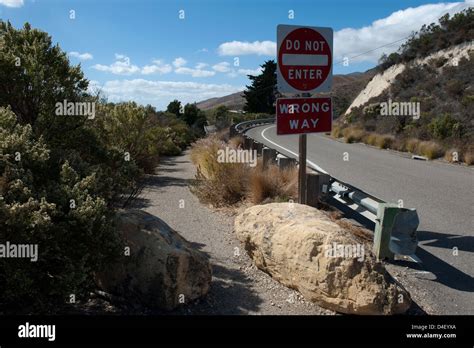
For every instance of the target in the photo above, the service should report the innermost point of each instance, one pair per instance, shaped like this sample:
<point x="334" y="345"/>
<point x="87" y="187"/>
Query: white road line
<point x="312" y="164"/>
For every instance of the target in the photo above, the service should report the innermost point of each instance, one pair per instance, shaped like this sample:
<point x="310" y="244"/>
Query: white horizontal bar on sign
<point x="305" y="59"/>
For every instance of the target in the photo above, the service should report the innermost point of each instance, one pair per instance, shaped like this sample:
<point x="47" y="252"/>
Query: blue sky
<point x="142" y="50"/>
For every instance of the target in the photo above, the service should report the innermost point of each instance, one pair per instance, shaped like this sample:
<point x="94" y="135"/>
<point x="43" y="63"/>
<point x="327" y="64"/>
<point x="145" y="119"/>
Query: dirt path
<point x="238" y="287"/>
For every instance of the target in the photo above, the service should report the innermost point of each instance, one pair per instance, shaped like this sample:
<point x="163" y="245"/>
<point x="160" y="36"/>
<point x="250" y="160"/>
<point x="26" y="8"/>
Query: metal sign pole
<point x="302" y="169"/>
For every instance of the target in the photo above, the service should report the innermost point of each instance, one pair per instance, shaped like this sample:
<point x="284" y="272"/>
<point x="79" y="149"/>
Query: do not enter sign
<point x="304" y="59"/>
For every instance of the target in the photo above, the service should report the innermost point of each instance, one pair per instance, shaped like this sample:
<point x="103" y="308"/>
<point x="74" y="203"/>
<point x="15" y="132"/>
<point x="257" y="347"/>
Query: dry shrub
<point x="204" y="153"/>
<point x="430" y="149"/>
<point x="411" y="145"/>
<point x="450" y="157"/>
<point x="399" y="144"/>
<point x="352" y="135"/>
<point x="226" y="188"/>
<point x="217" y="183"/>
<point x="384" y="141"/>
<point x="237" y="141"/>
<point x="272" y="183"/>
<point x="336" y="132"/>
<point x="224" y="184"/>
<point x="468" y="156"/>
<point x="370" y="139"/>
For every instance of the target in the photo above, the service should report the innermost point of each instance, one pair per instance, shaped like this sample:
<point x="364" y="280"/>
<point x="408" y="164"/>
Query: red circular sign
<point x="292" y="64"/>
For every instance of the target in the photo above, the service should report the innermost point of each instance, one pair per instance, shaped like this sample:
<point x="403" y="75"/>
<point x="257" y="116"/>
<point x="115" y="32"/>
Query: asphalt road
<point x="442" y="193"/>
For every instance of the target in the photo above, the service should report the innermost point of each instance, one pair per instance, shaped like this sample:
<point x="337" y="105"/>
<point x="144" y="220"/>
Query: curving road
<point x="443" y="195"/>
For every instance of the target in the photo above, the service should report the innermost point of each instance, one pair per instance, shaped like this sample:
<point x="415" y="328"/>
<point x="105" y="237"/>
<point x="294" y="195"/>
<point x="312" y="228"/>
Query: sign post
<point x="302" y="169"/>
<point x="304" y="67"/>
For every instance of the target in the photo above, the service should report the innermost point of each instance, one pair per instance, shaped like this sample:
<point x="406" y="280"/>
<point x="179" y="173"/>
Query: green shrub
<point x="64" y="214"/>
<point x="442" y="127"/>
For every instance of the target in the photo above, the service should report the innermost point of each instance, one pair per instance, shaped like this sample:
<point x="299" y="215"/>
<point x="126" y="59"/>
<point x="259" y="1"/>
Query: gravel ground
<point x="238" y="287"/>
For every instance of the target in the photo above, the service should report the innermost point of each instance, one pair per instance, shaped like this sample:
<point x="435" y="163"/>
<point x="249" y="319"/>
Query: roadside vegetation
<point x="226" y="184"/>
<point x="444" y="126"/>
<point x="63" y="176"/>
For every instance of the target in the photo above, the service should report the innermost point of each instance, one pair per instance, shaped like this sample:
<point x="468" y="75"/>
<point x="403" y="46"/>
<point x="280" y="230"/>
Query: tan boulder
<point x="162" y="271"/>
<point x="303" y="249"/>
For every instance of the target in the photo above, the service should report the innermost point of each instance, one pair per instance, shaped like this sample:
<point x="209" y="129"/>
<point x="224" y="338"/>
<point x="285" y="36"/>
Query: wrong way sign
<point x="304" y="59"/>
<point x="303" y="115"/>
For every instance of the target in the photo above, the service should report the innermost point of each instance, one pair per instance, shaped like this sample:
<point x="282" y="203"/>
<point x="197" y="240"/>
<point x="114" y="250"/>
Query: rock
<point x="162" y="271"/>
<point x="291" y="242"/>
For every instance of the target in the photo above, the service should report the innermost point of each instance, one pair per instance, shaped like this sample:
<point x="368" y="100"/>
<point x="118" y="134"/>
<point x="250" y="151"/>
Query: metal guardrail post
<point x="395" y="231"/>
<point x="285" y="162"/>
<point x="268" y="156"/>
<point x="317" y="188"/>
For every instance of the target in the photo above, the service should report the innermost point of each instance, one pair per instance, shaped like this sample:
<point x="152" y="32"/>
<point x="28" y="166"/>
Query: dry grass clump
<point x="370" y="139"/>
<point x="353" y="135"/>
<point x="384" y="141"/>
<point x="411" y="145"/>
<point x="272" y="183"/>
<point x="223" y="184"/>
<point x="468" y="156"/>
<point x="430" y="149"/>
<point x="336" y="132"/>
<point x="452" y="155"/>
<point x="237" y="141"/>
<point x="217" y="183"/>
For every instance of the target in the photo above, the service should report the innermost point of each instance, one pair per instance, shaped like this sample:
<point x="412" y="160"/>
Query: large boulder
<point x="162" y="269"/>
<point x="305" y="250"/>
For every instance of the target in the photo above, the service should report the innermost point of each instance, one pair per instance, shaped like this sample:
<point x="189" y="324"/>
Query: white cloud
<point x="81" y="56"/>
<point x="240" y="48"/>
<point x="12" y="3"/>
<point x="160" y="93"/>
<point x="253" y="72"/>
<point x="201" y="65"/>
<point x="179" y="62"/>
<point x="351" y="42"/>
<point x="202" y="50"/>
<point x="158" y="66"/>
<point x="222" y="67"/>
<point x="121" y="66"/>
<point x="194" y="72"/>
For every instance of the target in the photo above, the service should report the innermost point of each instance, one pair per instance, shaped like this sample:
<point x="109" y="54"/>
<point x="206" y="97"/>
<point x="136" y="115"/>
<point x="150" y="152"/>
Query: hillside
<point x="345" y="89"/>
<point x="422" y="98"/>
<point x="234" y="101"/>
<point x="383" y="80"/>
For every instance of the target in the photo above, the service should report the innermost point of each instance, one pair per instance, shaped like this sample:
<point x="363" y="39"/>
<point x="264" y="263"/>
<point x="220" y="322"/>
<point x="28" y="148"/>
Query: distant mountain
<point x="234" y="101"/>
<point x="345" y="89"/>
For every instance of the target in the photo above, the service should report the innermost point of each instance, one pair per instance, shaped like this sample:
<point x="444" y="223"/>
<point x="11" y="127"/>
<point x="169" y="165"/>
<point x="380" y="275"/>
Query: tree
<point x="174" y="107"/>
<point x="221" y="116"/>
<point x="35" y="74"/>
<point x="260" y="95"/>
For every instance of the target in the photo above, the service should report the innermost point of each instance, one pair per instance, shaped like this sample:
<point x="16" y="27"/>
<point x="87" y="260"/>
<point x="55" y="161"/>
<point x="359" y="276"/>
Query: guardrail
<point x="394" y="226"/>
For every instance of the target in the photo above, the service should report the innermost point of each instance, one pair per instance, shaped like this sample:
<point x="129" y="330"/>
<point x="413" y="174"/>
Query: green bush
<point x="443" y="127"/>
<point x="63" y="214"/>
<point x="62" y="177"/>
